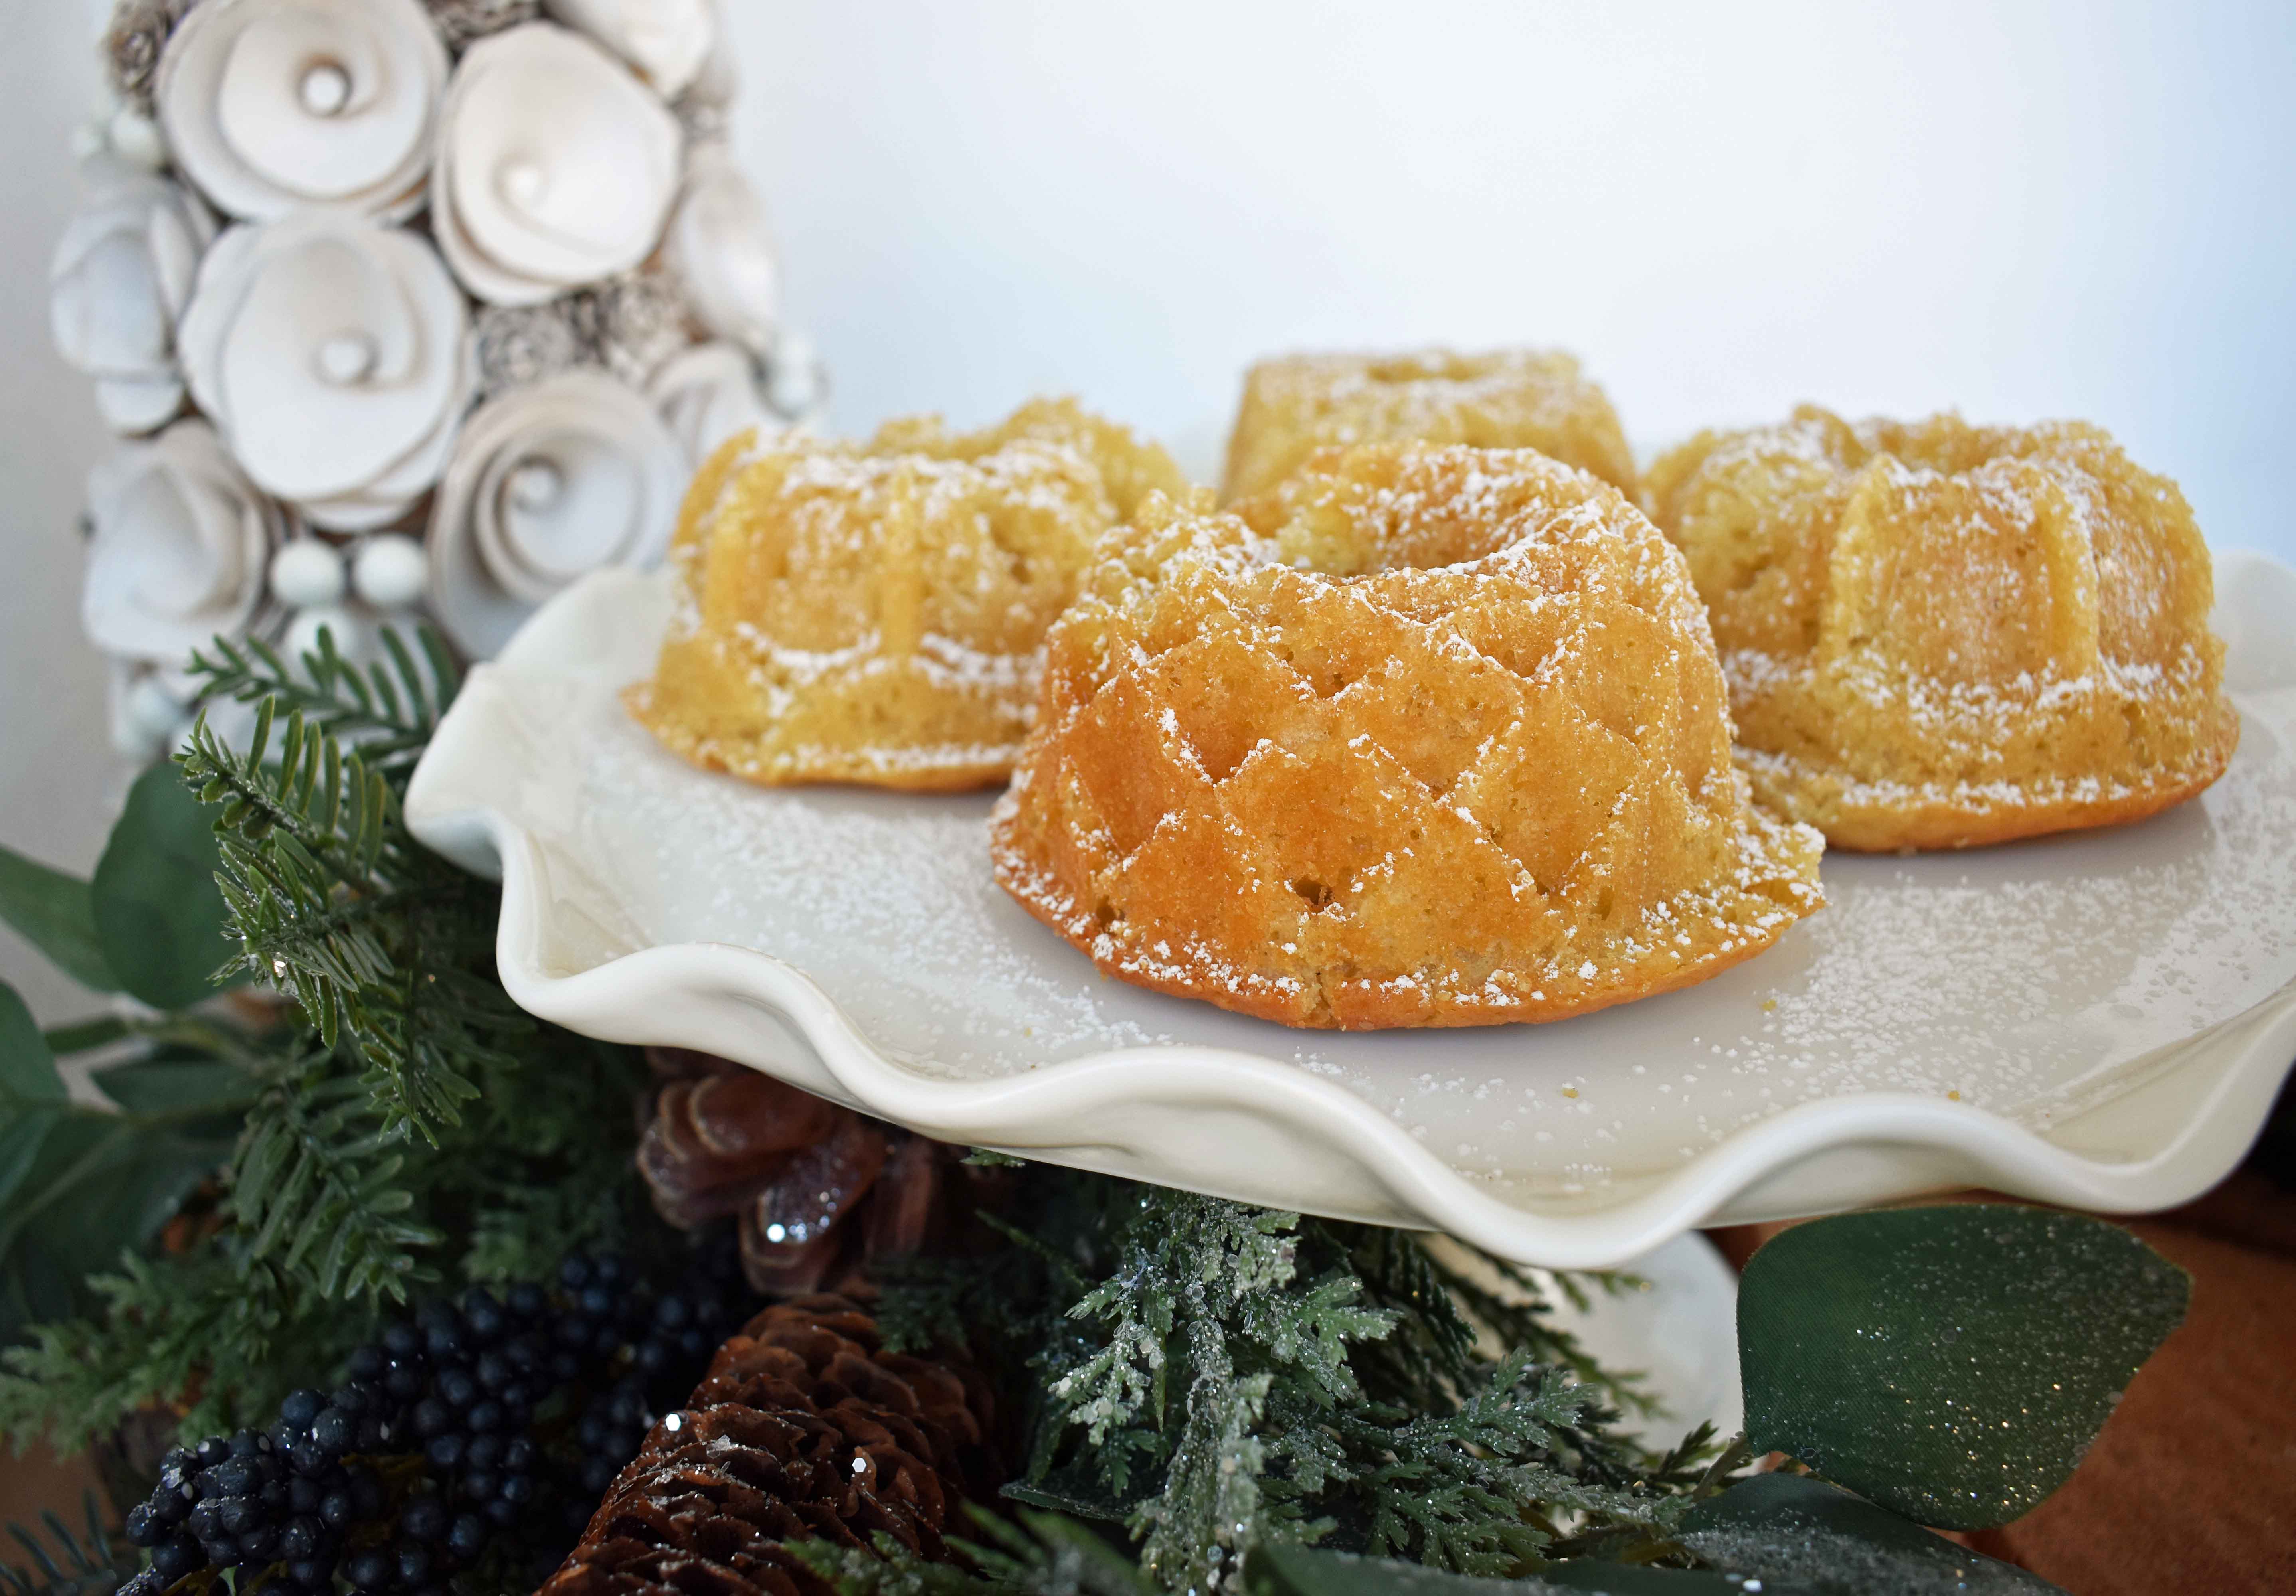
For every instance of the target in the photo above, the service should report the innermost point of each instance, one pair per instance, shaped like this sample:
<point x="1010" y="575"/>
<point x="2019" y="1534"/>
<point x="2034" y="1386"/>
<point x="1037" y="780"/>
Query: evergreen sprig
<point x="64" y="1563"/>
<point x="405" y="1126"/>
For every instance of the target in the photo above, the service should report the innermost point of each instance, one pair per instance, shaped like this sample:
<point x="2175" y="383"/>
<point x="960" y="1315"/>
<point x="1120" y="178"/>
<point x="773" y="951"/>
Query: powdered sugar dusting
<point x="2031" y="980"/>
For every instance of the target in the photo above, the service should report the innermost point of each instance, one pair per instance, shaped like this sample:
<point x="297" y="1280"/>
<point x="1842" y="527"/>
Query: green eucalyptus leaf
<point x="28" y="1066"/>
<point x="1780" y="1527"/>
<point x="83" y="1036"/>
<point x="1951" y="1364"/>
<point x="156" y="1086"/>
<point x="157" y="910"/>
<point x="55" y="913"/>
<point x="1311" y="1571"/>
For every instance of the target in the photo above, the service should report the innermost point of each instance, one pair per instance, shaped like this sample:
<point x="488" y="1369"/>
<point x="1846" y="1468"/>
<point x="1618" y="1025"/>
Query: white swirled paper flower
<point x="556" y="168"/>
<point x="721" y="249"/>
<point x="120" y="278"/>
<point x="180" y="544"/>
<point x="547" y="484"/>
<point x="706" y="393"/>
<point x="331" y="353"/>
<point x="668" y="41"/>
<point x="269" y="105"/>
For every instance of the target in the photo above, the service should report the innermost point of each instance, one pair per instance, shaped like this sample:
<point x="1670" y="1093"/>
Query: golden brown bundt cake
<point x="1938" y="635"/>
<point x="1514" y="399"/>
<point x="878" y="614"/>
<point x="1424" y="737"/>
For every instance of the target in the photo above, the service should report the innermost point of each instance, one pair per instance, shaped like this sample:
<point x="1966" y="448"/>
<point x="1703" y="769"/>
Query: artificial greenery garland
<point x="1199" y="1384"/>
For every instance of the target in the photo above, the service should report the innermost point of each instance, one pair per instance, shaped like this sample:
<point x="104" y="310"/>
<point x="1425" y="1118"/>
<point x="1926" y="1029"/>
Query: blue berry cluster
<point x="490" y="1425"/>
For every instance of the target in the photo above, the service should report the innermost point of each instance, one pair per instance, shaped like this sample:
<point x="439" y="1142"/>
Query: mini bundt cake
<point x="878" y="614"/>
<point x="1514" y="399"/>
<point x="1426" y="737"/>
<point x="1938" y="635"/>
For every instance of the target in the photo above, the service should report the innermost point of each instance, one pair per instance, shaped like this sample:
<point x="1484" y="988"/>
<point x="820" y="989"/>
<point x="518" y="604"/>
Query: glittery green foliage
<point x="1952" y="1363"/>
<point x="1208" y="1376"/>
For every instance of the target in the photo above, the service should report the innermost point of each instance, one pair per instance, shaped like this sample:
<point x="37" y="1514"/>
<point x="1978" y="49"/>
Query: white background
<point x="2021" y="210"/>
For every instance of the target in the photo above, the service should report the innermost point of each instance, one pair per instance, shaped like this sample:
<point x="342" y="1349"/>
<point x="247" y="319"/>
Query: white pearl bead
<point x="136" y="138"/>
<point x="306" y="572"/>
<point x="152" y="711"/>
<point x="390" y="570"/>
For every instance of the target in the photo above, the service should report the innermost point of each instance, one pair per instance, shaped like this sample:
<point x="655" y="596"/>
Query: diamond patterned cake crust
<point x="877" y="614"/>
<point x="1940" y="635"/>
<point x="1426" y="737"/>
<point x="1513" y="399"/>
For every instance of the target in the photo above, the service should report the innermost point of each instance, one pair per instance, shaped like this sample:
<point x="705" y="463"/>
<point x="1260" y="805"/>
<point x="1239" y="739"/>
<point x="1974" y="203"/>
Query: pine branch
<point x="390" y="713"/>
<point x="66" y="1564"/>
<point x="318" y="1192"/>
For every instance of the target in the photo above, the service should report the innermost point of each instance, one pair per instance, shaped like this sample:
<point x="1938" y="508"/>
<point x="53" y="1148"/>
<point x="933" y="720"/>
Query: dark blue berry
<point x="235" y="1477"/>
<point x="457" y="1388"/>
<point x="479" y="1484"/>
<point x="466" y="1537"/>
<point x="259" y="1543"/>
<point x="313" y="1573"/>
<point x="519" y="1455"/>
<point x="495" y="1371"/>
<point x="527" y="1301"/>
<point x="671" y="1313"/>
<point x="373" y="1430"/>
<point x="444" y="1453"/>
<point x="143" y="1527"/>
<point x="565" y="1366"/>
<point x="517" y="1489"/>
<point x="484" y="1452"/>
<point x="424" y="1518"/>
<point x="596" y="1301"/>
<point x="401" y="1339"/>
<point x="309" y="1459"/>
<point x="336" y="1511"/>
<point x="334" y="1430"/>
<point x="413" y="1560"/>
<point x="598" y="1473"/>
<point x="367" y="1364"/>
<point x="219" y="1548"/>
<point x="608" y="1269"/>
<point x="300" y="1540"/>
<point x="212" y="1451"/>
<point x="368" y="1570"/>
<point x="351" y="1397"/>
<point x="501" y="1513"/>
<point x="403" y="1380"/>
<point x="366" y="1493"/>
<point x="484" y="1315"/>
<point x="175" y="1556"/>
<point x="302" y="1406"/>
<point x="574" y="1273"/>
<point x="431" y="1416"/>
<point x="486" y="1416"/>
<point x="246" y="1444"/>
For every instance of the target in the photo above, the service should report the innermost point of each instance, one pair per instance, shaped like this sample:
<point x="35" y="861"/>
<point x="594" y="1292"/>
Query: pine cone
<point x="819" y="1189"/>
<point x="803" y="1428"/>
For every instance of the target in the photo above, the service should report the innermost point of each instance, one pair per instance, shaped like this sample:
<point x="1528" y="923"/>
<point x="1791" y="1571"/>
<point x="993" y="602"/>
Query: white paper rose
<point x="181" y="541"/>
<point x="556" y="168"/>
<point x="707" y="395"/>
<point x="721" y="249"/>
<point x="121" y="276"/>
<point x="331" y="353"/>
<point x="547" y="483"/>
<point x="668" y="41"/>
<point x="269" y="105"/>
